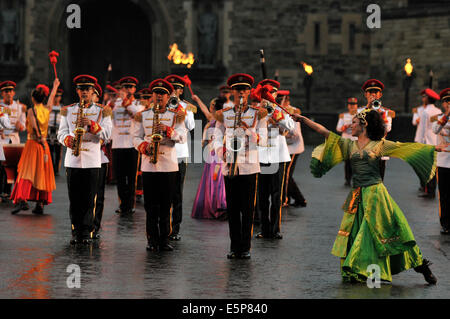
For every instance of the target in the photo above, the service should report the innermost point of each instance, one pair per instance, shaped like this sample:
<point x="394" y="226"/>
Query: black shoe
<point x="75" y="240"/>
<point x="261" y="235"/>
<point x="118" y="211"/>
<point x="151" y="247"/>
<point x="25" y="206"/>
<point x="427" y="196"/>
<point x="175" y="237"/>
<point x="298" y="203"/>
<point x="245" y="255"/>
<point x="232" y="255"/>
<point x="38" y="209"/>
<point x="425" y="270"/>
<point x="96" y="235"/>
<point x="17" y="208"/>
<point x="278" y="236"/>
<point x="445" y="231"/>
<point x="166" y="247"/>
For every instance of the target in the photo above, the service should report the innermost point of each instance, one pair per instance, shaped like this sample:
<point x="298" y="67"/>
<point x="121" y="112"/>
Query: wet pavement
<point x="35" y="251"/>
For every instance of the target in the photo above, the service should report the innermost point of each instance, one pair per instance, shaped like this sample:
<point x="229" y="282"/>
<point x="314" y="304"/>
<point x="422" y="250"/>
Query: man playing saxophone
<point x="83" y="169"/>
<point x="155" y="131"/>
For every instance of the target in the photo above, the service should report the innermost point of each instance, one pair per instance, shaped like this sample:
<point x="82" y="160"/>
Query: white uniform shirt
<point x="247" y="155"/>
<point x="426" y="134"/>
<point x="416" y="115"/>
<point x="16" y="114"/>
<point x="295" y="140"/>
<point x="346" y="119"/>
<point x="4" y="124"/>
<point x="443" y="137"/>
<point x="90" y="155"/>
<point x="167" y="156"/>
<point x="122" y="121"/>
<point x="189" y="124"/>
<point x="276" y="149"/>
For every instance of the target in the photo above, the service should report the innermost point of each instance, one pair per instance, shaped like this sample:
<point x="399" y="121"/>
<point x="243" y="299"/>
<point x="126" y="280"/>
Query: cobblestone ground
<point x="35" y="250"/>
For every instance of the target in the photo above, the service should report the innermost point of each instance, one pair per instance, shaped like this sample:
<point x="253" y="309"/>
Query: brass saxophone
<point x="232" y="171"/>
<point x="156" y="136"/>
<point x="79" y="130"/>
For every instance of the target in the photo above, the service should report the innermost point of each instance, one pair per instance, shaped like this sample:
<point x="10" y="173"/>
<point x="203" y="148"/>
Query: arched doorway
<point x="116" y="32"/>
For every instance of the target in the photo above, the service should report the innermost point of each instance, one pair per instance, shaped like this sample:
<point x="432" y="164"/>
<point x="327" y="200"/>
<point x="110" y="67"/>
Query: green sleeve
<point x="325" y="156"/>
<point x="421" y="157"/>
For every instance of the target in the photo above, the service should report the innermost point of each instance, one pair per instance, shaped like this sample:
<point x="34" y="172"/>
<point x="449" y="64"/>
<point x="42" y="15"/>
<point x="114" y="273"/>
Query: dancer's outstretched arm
<point x="315" y="126"/>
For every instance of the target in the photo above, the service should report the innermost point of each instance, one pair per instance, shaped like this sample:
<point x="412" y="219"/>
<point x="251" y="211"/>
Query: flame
<point x="308" y="68"/>
<point x="179" y="57"/>
<point x="408" y="67"/>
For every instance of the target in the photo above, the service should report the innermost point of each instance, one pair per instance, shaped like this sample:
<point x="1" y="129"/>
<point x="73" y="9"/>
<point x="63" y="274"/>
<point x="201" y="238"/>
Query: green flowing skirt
<point x="377" y="213"/>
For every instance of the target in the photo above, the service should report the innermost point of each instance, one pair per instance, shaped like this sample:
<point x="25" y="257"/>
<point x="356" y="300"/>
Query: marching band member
<point x="426" y="134"/>
<point x="239" y="125"/>
<point x="83" y="126"/>
<point x="125" y="157"/>
<point x="273" y="157"/>
<point x="35" y="178"/>
<point x="441" y="127"/>
<point x="109" y="99"/>
<point x="343" y="126"/>
<point x="155" y="132"/>
<point x="53" y="125"/>
<point x="296" y="147"/>
<point x="16" y="112"/>
<point x="178" y="84"/>
<point x="225" y="92"/>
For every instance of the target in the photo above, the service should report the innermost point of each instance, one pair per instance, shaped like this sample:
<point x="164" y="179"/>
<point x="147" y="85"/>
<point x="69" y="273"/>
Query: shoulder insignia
<point x="138" y="117"/>
<point x="219" y="115"/>
<point x="414" y="110"/>
<point x="434" y="118"/>
<point x="106" y="111"/>
<point x="191" y="108"/>
<point x="391" y="113"/>
<point x="262" y="113"/>
<point x="341" y="116"/>
<point x="65" y="109"/>
<point x="227" y="109"/>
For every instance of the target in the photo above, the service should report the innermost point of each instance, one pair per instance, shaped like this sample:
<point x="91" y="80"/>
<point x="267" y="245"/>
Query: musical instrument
<point x="79" y="130"/>
<point x="156" y="136"/>
<point x="232" y="171"/>
<point x="376" y="104"/>
<point x="12" y="158"/>
<point x="173" y="102"/>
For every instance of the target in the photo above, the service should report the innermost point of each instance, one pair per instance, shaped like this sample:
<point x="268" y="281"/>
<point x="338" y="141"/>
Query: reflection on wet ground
<point x="35" y="250"/>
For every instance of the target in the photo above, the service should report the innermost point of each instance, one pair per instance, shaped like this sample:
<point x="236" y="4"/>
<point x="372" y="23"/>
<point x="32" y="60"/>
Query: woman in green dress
<point x="373" y="229"/>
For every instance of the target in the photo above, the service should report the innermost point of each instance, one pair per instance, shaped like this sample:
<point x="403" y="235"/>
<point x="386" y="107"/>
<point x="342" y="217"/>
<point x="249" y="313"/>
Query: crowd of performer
<point x="251" y="145"/>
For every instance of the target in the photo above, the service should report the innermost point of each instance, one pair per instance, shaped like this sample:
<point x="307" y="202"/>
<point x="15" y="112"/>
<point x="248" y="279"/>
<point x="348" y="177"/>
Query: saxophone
<point x="232" y="171"/>
<point x="79" y="130"/>
<point x="156" y="136"/>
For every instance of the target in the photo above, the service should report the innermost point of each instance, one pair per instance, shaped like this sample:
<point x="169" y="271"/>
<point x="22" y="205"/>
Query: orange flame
<point x="179" y="57"/>
<point x="308" y="68"/>
<point x="408" y="67"/>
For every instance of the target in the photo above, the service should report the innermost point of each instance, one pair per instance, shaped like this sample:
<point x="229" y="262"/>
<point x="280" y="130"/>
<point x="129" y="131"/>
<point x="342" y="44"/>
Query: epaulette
<point x="434" y="118"/>
<point x="191" y="108"/>
<point x="106" y="111"/>
<point x="262" y="113"/>
<point x="391" y="113"/>
<point x="341" y="116"/>
<point x="227" y="109"/>
<point x="414" y="110"/>
<point x="219" y="115"/>
<point x="138" y="117"/>
<point x="65" y="109"/>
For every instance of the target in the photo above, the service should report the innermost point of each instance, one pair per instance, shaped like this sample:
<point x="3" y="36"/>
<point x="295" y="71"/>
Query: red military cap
<point x="84" y="79"/>
<point x="352" y="100"/>
<point x="224" y="88"/>
<point x="116" y="84"/>
<point x="175" y="80"/>
<point x="432" y="94"/>
<point x="273" y="83"/>
<point x="240" y="80"/>
<point x="7" y="85"/>
<point x="373" y="84"/>
<point x="145" y="92"/>
<point x="161" y="85"/>
<point x="283" y="92"/>
<point x="110" y="89"/>
<point x="128" y="80"/>
<point x="98" y="89"/>
<point x="445" y="94"/>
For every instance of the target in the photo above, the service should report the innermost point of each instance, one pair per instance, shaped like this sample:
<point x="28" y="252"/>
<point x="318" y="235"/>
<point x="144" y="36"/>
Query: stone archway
<point x="142" y="55"/>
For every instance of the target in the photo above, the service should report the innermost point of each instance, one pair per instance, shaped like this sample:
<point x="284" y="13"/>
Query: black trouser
<point x="430" y="188"/>
<point x="158" y="194"/>
<point x="125" y="162"/>
<point x="5" y="187"/>
<point x="177" y="210"/>
<point x="269" y="187"/>
<point x="291" y="188"/>
<point x="443" y="178"/>
<point x="56" y="152"/>
<point x="241" y="196"/>
<point x="82" y="184"/>
<point x="348" y="172"/>
<point x="99" y="202"/>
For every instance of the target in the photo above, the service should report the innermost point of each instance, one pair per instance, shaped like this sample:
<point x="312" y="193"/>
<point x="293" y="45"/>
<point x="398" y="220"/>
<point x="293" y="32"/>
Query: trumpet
<point x="376" y="104"/>
<point x="79" y="130"/>
<point x="173" y="102"/>
<point x="156" y="136"/>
